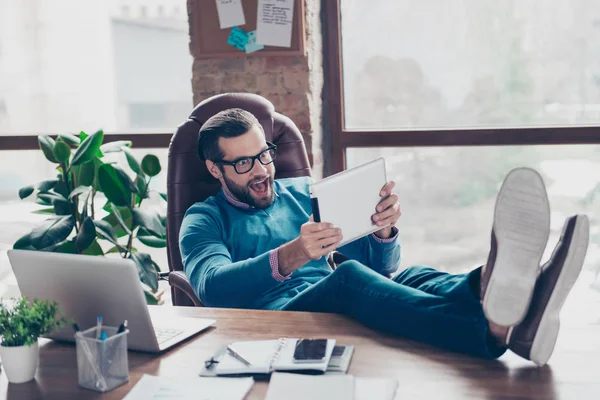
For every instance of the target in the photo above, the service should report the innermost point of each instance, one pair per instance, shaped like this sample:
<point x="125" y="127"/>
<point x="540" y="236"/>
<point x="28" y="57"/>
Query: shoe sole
<point x="522" y="227"/>
<point x="547" y="332"/>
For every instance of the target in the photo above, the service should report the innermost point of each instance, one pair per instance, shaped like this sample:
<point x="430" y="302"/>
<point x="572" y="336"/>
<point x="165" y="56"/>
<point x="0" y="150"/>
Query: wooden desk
<point x="422" y="371"/>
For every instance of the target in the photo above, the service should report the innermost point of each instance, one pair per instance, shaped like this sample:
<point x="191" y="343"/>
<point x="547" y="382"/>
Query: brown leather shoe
<point x="519" y="237"/>
<point x="535" y="337"/>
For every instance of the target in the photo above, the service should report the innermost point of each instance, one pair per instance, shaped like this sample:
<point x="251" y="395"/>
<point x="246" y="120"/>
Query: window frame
<point x="138" y="140"/>
<point x="342" y="138"/>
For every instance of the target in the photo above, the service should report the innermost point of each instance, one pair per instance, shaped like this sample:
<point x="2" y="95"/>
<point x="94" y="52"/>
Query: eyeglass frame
<point x="271" y="147"/>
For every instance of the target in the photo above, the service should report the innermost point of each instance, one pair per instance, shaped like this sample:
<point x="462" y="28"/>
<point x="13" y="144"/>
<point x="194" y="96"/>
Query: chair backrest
<point x="188" y="180"/>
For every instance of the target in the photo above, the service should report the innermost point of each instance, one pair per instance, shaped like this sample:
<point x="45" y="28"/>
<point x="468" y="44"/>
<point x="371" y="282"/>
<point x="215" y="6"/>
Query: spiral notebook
<point x="265" y="356"/>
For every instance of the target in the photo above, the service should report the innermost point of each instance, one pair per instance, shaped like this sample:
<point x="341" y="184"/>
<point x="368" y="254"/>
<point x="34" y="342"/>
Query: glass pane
<point x="17" y="215"/>
<point x="447" y="196"/>
<point x="121" y="66"/>
<point x="470" y="63"/>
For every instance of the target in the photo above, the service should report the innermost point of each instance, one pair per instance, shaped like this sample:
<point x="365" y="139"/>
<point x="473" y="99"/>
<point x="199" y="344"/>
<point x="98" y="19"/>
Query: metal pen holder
<point x="102" y="364"/>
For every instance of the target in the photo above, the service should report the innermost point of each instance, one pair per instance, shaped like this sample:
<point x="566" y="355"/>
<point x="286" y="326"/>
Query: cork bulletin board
<point x="208" y="40"/>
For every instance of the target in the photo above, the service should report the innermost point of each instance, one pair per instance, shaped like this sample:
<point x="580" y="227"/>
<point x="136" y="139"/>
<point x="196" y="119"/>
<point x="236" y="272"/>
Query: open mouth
<point x="261" y="187"/>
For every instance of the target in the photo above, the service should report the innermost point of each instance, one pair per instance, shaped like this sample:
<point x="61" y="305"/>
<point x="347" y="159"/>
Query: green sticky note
<point x="252" y="46"/>
<point x="238" y="38"/>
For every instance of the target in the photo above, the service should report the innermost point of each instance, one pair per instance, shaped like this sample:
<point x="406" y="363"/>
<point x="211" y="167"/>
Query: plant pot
<point x="20" y="362"/>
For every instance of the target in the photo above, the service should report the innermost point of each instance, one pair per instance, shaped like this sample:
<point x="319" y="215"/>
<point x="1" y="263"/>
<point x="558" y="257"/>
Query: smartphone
<point x="310" y="350"/>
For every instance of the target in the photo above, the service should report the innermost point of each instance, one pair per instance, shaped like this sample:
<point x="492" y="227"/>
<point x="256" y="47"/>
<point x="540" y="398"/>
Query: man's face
<point x="256" y="186"/>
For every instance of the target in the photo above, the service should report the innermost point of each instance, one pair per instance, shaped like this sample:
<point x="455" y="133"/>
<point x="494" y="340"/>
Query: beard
<point x="244" y="193"/>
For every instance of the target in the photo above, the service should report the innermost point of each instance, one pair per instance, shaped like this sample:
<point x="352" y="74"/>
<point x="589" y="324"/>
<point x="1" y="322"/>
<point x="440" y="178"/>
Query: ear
<point x="213" y="169"/>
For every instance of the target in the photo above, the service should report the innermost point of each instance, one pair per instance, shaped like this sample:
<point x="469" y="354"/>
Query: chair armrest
<point x="178" y="280"/>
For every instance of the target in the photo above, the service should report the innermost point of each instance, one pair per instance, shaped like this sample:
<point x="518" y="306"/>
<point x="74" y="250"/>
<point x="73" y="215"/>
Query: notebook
<point x="265" y="356"/>
<point x="348" y="199"/>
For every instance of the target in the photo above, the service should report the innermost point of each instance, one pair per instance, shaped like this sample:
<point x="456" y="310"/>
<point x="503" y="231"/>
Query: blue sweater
<point x="225" y="249"/>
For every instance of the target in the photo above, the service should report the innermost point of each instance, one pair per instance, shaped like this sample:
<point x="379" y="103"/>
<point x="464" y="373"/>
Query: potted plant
<point x="78" y="224"/>
<point x="20" y="327"/>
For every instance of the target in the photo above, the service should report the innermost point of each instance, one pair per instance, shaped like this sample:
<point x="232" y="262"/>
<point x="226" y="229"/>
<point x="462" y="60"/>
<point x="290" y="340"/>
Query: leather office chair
<point x="188" y="180"/>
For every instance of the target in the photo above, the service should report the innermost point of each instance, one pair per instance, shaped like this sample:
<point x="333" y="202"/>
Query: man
<point x="255" y="245"/>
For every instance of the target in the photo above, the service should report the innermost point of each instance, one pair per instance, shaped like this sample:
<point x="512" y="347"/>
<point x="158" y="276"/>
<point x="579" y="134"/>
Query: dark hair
<point x="229" y="123"/>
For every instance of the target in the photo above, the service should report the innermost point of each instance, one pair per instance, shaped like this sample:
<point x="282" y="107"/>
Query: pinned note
<point x="238" y="38"/>
<point x="252" y="45"/>
<point x="274" y="22"/>
<point x="230" y="13"/>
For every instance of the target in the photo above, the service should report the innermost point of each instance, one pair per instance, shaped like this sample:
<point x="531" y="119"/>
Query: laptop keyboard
<point x="164" y="334"/>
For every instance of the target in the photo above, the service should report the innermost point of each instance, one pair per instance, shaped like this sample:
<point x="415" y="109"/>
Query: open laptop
<point x="349" y="199"/>
<point x="88" y="286"/>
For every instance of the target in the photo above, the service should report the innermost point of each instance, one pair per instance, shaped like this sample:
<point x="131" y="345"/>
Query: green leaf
<point x="94" y="250"/>
<point x="61" y="189"/>
<point x="47" y="145"/>
<point x="112" y="186"/>
<point x="60" y="204"/>
<point x="52" y="231"/>
<point x="150" y="298"/>
<point x="44" y="211"/>
<point x="84" y="173"/>
<point x="132" y="161"/>
<point x="156" y="267"/>
<point x="68" y="247"/>
<point x="82" y="136"/>
<point x="113" y="147"/>
<point x="122" y="218"/>
<point x="24" y="243"/>
<point x="141" y="185"/>
<point x="146" y="270"/>
<point x="45" y="186"/>
<point x="152" y="241"/>
<point x="86" y="235"/>
<point x="106" y="231"/>
<point x="163" y="195"/>
<point x="62" y="207"/>
<point x="149" y="219"/>
<point x="151" y="165"/>
<point x="78" y="190"/>
<point x="25" y="192"/>
<point x="125" y="179"/>
<point x="84" y="207"/>
<point x="88" y="148"/>
<point x="117" y="249"/>
<point x="42" y="201"/>
<point x="69" y="138"/>
<point x="61" y="151"/>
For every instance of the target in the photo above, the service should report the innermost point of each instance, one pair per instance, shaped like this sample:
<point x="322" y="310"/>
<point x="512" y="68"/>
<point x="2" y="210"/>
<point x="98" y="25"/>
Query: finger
<point x="387" y="188"/>
<point x="387" y="202"/>
<point x="329" y="243"/>
<point x="314" y="227"/>
<point x="389" y="213"/>
<point x="327" y="233"/>
<point x="311" y="219"/>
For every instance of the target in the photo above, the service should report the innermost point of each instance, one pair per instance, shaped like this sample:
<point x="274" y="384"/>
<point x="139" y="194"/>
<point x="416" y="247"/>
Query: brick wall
<point x="293" y="84"/>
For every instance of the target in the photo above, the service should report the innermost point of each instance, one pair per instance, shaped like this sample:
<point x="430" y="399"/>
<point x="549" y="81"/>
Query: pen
<point x="237" y="355"/>
<point x="98" y="326"/>
<point x="75" y="327"/>
<point x="122" y="327"/>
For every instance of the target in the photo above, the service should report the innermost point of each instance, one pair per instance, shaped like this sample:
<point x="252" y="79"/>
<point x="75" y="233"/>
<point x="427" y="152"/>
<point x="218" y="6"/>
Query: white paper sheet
<point x="285" y="386"/>
<point x="274" y="22"/>
<point x="190" y="388"/>
<point x="230" y="13"/>
<point x="374" y="388"/>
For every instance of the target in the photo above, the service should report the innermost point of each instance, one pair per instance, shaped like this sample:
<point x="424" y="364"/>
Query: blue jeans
<point x="419" y="303"/>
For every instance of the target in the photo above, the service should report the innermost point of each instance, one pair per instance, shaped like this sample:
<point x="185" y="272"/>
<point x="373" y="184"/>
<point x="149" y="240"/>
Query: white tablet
<point x="348" y="199"/>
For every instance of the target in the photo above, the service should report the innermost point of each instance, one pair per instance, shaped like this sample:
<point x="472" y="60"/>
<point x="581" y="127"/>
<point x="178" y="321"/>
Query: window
<point x="84" y="69"/>
<point x="439" y="64"/>
<point x="447" y="197"/>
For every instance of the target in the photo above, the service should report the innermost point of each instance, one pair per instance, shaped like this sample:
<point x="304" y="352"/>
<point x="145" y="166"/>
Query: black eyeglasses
<point x="245" y="164"/>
